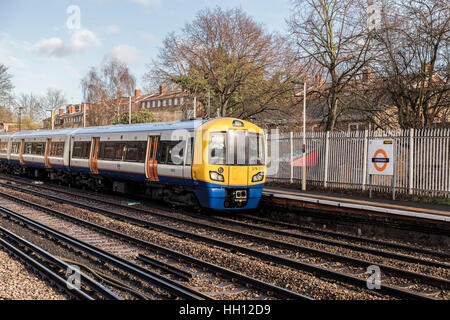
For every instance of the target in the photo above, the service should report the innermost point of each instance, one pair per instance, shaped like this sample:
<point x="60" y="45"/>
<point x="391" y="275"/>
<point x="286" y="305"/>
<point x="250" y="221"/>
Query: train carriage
<point x="218" y="164"/>
<point x="4" y="149"/>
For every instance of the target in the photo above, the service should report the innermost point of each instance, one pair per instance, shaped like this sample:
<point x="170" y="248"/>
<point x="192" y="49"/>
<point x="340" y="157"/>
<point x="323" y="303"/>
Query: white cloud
<point x="80" y="41"/>
<point x="10" y="50"/>
<point x="126" y="53"/>
<point x="148" y="2"/>
<point x="112" y="29"/>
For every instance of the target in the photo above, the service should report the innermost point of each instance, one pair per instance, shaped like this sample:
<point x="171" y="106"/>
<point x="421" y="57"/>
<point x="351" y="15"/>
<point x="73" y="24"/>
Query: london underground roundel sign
<point x="381" y="157"/>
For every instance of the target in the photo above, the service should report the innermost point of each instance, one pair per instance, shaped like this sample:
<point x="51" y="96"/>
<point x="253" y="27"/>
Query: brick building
<point x="171" y="105"/>
<point x="166" y="105"/>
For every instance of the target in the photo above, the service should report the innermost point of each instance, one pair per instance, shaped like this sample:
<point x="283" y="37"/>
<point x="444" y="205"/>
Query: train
<point x="215" y="164"/>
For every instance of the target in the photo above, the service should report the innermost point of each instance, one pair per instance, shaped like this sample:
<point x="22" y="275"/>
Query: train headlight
<point x="216" y="176"/>
<point x="258" y="177"/>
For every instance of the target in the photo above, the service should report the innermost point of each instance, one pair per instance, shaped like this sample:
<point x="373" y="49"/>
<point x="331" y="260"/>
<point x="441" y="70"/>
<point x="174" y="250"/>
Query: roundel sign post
<point x="381" y="160"/>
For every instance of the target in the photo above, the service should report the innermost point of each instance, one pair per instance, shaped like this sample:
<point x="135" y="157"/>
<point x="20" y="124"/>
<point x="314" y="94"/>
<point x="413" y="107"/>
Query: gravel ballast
<point x="18" y="283"/>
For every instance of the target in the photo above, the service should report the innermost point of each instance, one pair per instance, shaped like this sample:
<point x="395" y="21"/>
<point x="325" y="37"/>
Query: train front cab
<point x="231" y="173"/>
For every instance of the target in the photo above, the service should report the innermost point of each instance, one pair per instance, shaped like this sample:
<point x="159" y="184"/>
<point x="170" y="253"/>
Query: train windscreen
<point x="237" y="148"/>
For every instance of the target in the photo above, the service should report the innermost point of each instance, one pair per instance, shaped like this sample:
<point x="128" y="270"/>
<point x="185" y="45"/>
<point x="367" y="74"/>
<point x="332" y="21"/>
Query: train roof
<point x="40" y="133"/>
<point x="141" y="127"/>
<point x="155" y="126"/>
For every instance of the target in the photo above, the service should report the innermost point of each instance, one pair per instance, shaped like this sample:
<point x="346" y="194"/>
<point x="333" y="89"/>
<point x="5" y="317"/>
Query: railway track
<point x="255" y="227"/>
<point x="171" y="286"/>
<point x="146" y="252"/>
<point x="53" y="268"/>
<point x="287" y="253"/>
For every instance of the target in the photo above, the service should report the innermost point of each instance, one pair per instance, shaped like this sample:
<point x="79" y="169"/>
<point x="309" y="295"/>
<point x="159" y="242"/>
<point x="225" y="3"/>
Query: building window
<point x="170" y="102"/>
<point x="181" y="100"/>
<point x="153" y="103"/>
<point x="164" y="103"/>
<point x="159" y="103"/>
<point x="175" y="101"/>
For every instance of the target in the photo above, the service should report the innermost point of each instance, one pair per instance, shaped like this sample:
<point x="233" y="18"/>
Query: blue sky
<point x="42" y="52"/>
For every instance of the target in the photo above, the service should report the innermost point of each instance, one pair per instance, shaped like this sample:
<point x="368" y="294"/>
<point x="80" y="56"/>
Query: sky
<point x="53" y="43"/>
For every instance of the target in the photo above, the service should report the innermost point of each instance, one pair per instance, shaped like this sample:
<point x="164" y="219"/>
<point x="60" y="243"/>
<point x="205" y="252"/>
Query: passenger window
<point x="15" y="148"/>
<point x="81" y="150"/>
<point x="57" y="149"/>
<point x="28" y="147"/>
<point x="190" y="151"/>
<point x="3" y="147"/>
<point x="171" y="152"/>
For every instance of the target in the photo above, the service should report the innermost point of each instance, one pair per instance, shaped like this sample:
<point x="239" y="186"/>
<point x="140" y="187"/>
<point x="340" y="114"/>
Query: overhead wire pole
<point x="20" y="118"/>
<point x="84" y="115"/>
<point x="304" y="133"/>
<point x="209" y="104"/>
<point x="304" y="139"/>
<point x="195" y="107"/>
<point x="129" y="111"/>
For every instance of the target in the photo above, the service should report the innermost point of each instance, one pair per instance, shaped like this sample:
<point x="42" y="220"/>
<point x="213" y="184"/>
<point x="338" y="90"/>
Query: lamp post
<point x="20" y="118"/>
<point x="52" y="118"/>
<point x="304" y="136"/>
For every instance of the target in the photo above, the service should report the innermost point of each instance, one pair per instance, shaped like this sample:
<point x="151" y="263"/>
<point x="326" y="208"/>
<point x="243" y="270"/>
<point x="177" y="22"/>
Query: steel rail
<point x="59" y="281"/>
<point x="391" y="290"/>
<point x="246" y="279"/>
<point x="348" y="236"/>
<point x="378" y="252"/>
<point x="170" y="285"/>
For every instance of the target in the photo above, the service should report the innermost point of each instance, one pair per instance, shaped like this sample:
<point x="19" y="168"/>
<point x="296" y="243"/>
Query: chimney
<point x="119" y="94"/>
<point x="71" y="109"/>
<point x="162" y="90"/>
<point x="137" y="93"/>
<point x="318" y="80"/>
<point x="367" y="75"/>
<point x="61" y="111"/>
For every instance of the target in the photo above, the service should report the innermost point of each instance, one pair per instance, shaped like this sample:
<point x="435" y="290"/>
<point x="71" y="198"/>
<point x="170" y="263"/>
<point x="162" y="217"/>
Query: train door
<point x="48" y="147"/>
<point x="151" y="167"/>
<point x="94" y="155"/>
<point x="22" y="148"/>
<point x="187" y="165"/>
<point x="237" y="158"/>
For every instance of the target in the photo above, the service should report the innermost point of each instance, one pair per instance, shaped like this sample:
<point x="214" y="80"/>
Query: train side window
<point x="15" y="148"/>
<point x="28" y="148"/>
<point x="109" y="151"/>
<point x="81" y="150"/>
<point x="119" y="151"/>
<point x="3" y="147"/>
<point x="161" y="156"/>
<point x="171" y="152"/>
<point x="57" y="149"/>
<point x="132" y="153"/>
<point x="190" y="151"/>
<point x="135" y="151"/>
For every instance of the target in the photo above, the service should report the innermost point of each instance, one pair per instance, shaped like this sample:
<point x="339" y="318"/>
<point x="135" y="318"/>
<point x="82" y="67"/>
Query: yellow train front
<point x="229" y="167"/>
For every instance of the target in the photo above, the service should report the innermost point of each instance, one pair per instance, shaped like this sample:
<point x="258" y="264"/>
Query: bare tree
<point x="6" y="115"/>
<point x="333" y="35"/>
<point x="103" y="88"/>
<point x="247" y="71"/>
<point x="414" y="67"/>
<point x="6" y="98"/>
<point x="53" y="100"/>
<point x="30" y="110"/>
